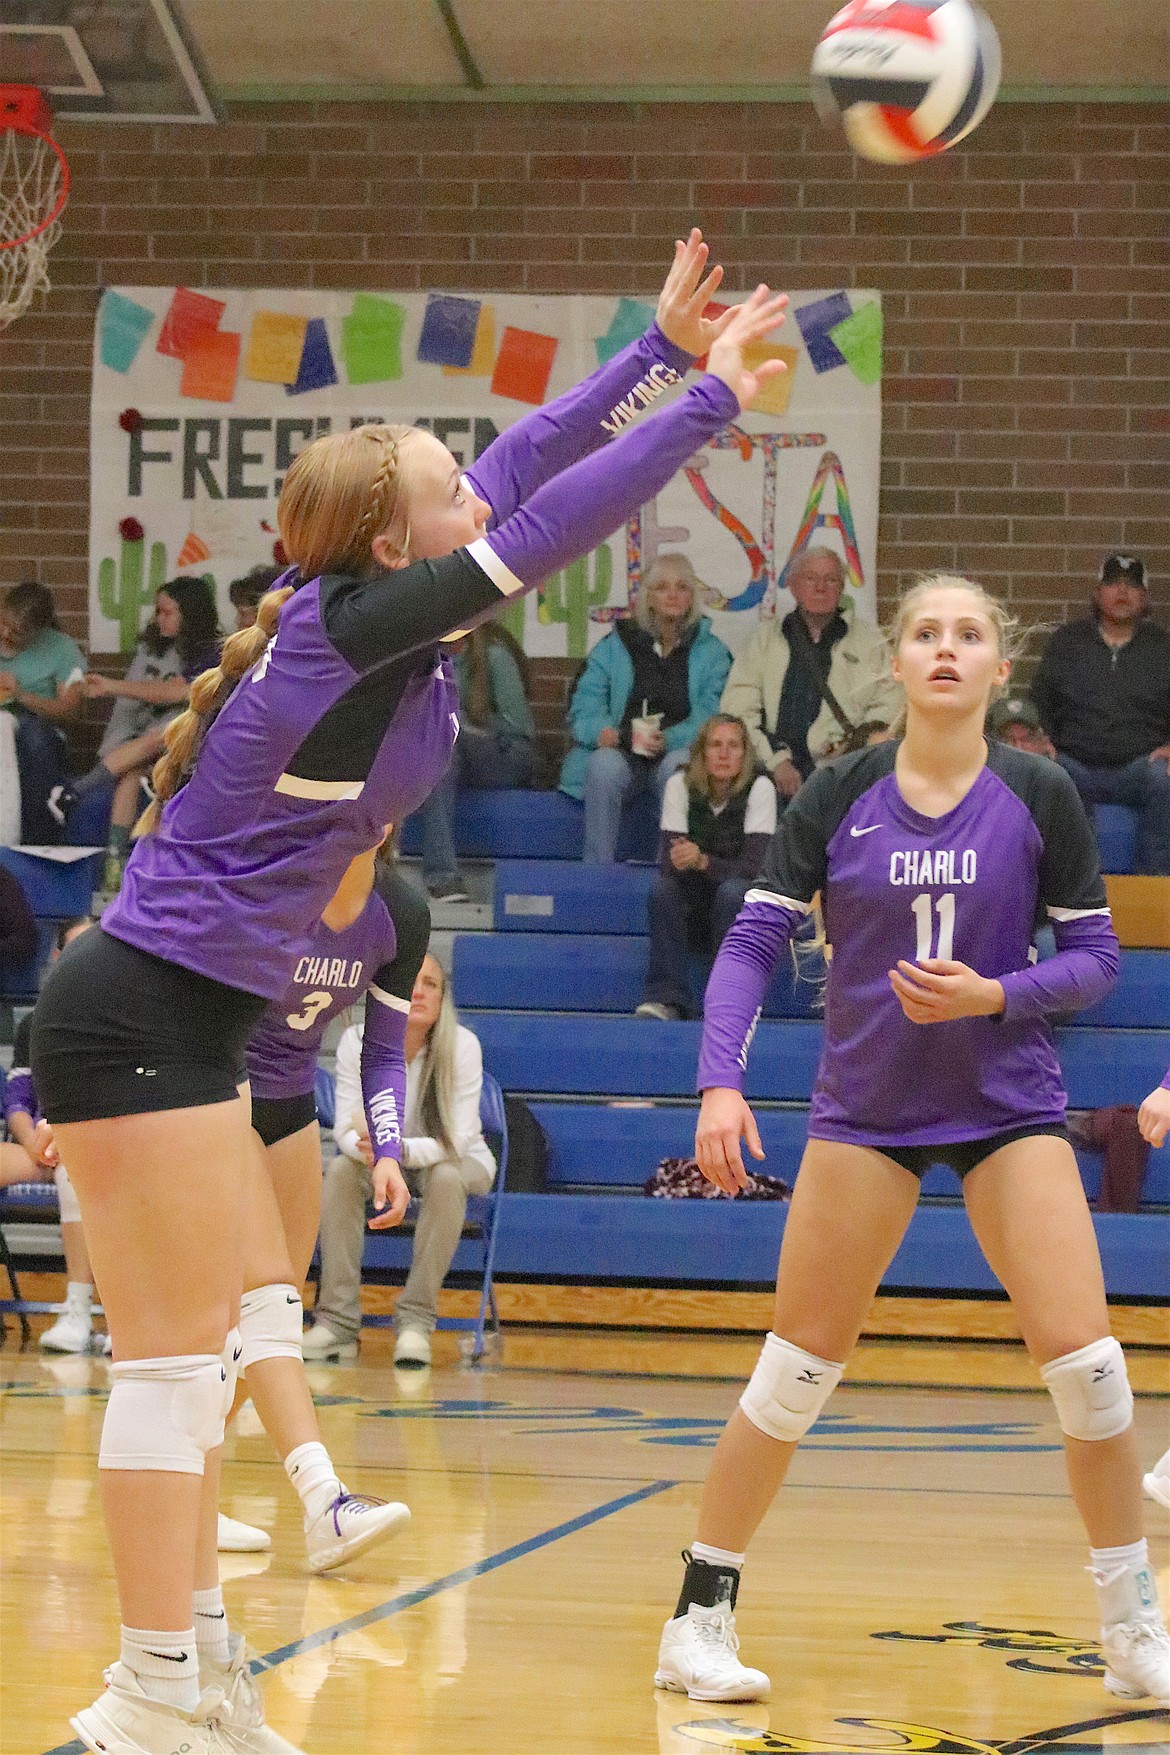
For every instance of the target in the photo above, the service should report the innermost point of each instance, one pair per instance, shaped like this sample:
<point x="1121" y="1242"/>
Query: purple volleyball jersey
<point x="970" y="886"/>
<point x="378" y="957"/>
<point x="347" y="720"/>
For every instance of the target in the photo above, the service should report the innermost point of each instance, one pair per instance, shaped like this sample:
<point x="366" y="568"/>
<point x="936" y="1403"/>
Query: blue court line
<point x="409" y="1599"/>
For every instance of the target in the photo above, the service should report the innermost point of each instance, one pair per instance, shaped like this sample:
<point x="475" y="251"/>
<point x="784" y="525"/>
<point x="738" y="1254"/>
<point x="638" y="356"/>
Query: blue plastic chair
<point x="325" y="1096"/>
<point x="483" y="1210"/>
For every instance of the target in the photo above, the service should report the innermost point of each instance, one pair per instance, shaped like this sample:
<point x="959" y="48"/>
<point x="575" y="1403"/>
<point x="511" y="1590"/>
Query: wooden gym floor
<point x="918" y="1586"/>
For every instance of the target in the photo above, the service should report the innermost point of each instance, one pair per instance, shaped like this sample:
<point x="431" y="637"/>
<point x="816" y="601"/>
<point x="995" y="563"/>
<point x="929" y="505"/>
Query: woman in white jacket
<point x="444" y="1159"/>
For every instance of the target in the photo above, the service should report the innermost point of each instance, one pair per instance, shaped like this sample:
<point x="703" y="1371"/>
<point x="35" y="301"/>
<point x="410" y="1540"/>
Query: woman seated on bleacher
<point x="647" y="688"/>
<point x="495" y="747"/>
<point x="40" y="685"/>
<point x="717" y="819"/>
<point x="180" y="641"/>
<point x="444" y="1159"/>
<point x="28" y="1155"/>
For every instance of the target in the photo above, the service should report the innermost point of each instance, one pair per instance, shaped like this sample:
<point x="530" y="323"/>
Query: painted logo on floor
<point x="884" y="1736"/>
<point x="1034" y="1648"/>
<point x="833" y="1431"/>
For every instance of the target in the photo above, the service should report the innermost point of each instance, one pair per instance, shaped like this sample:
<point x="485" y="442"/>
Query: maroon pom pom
<point x="280" y="553"/>
<point x="130" y="420"/>
<point x="130" y="530"/>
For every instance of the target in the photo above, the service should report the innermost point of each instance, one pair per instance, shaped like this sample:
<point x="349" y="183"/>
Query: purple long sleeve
<point x="1165" y="1085"/>
<point x="384" y="1074"/>
<point x="19" y="1094"/>
<point x="1082" y="971"/>
<point x="549" y="439"/>
<point x="588" y="501"/>
<point x="737" y="987"/>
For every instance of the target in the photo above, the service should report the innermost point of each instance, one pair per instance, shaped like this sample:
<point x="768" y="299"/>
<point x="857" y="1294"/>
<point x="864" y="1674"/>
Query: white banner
<point x="201" y="400"/>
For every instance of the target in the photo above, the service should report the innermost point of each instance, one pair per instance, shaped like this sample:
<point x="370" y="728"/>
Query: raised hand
<point x="747" y="323"/>
<point x="686" y="294"/>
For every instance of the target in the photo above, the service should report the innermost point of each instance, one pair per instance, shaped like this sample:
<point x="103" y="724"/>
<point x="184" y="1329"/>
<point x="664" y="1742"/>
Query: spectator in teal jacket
<point x="647" y="688"/>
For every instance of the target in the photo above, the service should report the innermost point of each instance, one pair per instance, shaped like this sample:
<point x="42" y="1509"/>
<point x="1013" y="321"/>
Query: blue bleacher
<point x="612" y="1145"/>
<point x="513" y="825"/>
<point x="1116" y="828"/>
<point x="56" y="892"/>
<point x="520" y="824"/>
<point x="589" y="972"/>
<point x="574" y="1054"/>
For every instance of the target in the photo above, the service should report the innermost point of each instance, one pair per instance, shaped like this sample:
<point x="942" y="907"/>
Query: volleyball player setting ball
<point x="333" y="716"/>
<point x="932" y="855"/>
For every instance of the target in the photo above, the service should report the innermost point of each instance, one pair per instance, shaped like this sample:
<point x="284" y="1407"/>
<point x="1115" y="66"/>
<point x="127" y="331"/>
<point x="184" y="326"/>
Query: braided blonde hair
<point x="340" y="492"/>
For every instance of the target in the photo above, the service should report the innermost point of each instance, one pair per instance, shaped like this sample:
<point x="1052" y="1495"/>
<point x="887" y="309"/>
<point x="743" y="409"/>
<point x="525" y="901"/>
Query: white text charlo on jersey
<point x="941" y="865"/>
<point x="329" y="972"/>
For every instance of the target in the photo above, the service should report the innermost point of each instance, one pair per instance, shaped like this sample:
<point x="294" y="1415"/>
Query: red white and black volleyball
<point x="906" y="78"/>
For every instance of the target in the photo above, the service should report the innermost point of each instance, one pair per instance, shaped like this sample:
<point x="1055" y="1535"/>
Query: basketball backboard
<point x="117" y="60"/>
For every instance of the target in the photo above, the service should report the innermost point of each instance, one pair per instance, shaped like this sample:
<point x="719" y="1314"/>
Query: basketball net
<point x="34" y="186"/>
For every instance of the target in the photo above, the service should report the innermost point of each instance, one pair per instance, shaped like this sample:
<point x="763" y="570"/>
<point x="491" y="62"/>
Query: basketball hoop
<point x="34" y="187"/>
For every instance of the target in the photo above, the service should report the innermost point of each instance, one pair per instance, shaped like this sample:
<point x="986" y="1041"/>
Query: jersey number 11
<point x="924" y="919"/>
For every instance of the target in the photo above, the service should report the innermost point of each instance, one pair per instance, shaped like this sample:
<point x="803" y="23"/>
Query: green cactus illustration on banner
<point x="511" y="617"/>
<point x="124" y="593"/>
<point x="568" y="597"/>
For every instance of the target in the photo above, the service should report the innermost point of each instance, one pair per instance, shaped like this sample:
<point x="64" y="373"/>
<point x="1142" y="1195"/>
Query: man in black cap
<point x="1103" y="690"/>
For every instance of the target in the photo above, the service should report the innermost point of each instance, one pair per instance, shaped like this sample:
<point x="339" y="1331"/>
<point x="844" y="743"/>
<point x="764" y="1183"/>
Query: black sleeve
<point x="412" y="925"/>
<point x="371" y="621"/>
<point x="21" y="1051"/>
<point x="797" y="862"/>
<point x="1070" y="868"/>
<point x="797" y="858"/>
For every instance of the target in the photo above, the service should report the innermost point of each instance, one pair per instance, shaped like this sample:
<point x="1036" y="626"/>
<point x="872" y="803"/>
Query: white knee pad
<point x="272" y="1320"/>
<point x="163" y="1414"/>
<point x="788" y="1389"/>
<point x="1091" y="1390"/>
<point x="230" y="1360"/>
<point x="67" y="1199"/>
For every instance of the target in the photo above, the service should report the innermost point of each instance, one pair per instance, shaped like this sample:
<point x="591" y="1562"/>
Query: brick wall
<point x="1023" y="275"/>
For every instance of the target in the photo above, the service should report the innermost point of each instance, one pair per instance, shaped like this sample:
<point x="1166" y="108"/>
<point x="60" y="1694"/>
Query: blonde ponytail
<point x="184" y="735"/>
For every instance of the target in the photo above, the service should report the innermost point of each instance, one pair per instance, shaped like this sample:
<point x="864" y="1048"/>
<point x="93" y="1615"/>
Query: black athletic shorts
<point x="963" y="1155"/>
<point x="278" y="1118"/>
<point x="117" y="1031"/>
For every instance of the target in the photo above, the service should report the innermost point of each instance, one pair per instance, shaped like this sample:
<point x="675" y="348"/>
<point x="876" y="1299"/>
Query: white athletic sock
<point x="312" y="1474"/>
<point x="79" y="1296"/>
<point x="211" y="1625"/>
<point x="166" y="1664"/>
<point x="716" y="1556"/>
<point x="1126" y="1590"/>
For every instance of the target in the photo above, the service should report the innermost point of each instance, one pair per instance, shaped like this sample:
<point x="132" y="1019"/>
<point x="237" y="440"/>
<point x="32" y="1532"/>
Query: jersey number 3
<point x="315" y="1004"/>
<point x="924" y="920"/>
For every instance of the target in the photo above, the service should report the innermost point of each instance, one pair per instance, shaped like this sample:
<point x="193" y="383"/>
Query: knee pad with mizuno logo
<point x="1091" y="1390"/>
<point x="788" y="1389"/>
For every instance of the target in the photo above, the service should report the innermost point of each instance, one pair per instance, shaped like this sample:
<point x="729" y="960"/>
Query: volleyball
<point x="906" y="78"/>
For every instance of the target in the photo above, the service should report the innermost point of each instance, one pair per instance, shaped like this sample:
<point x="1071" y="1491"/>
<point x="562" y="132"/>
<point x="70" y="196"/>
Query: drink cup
<point x="644" y="734"/>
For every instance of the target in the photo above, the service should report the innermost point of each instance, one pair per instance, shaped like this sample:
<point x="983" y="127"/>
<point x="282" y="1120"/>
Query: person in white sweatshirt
<point x="444" y="1159"/>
